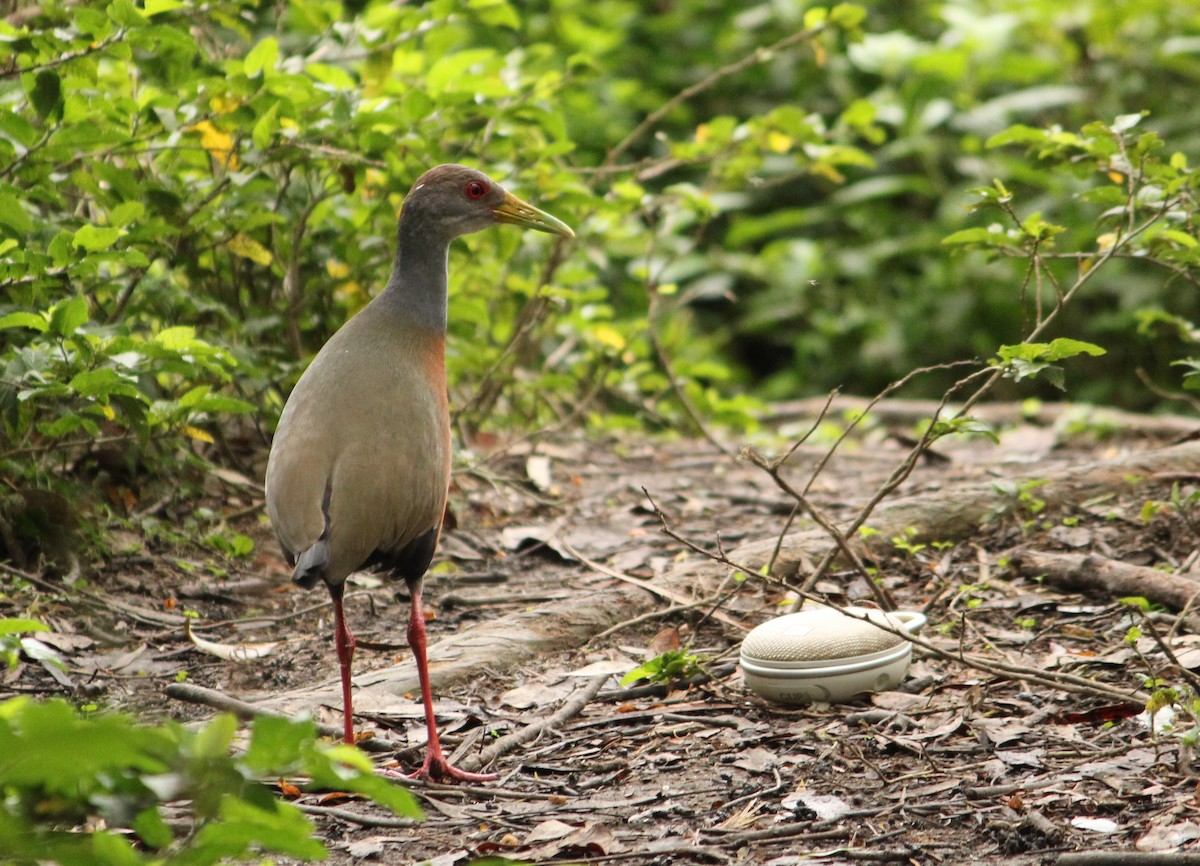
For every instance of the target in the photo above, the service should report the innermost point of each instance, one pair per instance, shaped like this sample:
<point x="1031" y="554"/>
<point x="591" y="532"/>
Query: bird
<point x="359" y="468"/>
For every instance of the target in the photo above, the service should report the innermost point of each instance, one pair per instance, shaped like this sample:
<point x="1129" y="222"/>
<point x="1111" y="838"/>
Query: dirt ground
<point x="1018" y="764"/>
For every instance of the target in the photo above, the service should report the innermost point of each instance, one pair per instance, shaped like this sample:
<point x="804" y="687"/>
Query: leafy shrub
<point x="92" y="791"/>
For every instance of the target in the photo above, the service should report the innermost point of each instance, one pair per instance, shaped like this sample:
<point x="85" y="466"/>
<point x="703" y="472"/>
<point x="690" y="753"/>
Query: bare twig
<point x="223" y="703"/>
<point x="661" y="592"/>
<point x="579" y="699"/>
<point x="759" y="55"/>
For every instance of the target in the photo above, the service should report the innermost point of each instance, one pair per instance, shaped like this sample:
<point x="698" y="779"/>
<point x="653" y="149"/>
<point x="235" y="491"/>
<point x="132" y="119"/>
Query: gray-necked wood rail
<point x="360" y="465"/>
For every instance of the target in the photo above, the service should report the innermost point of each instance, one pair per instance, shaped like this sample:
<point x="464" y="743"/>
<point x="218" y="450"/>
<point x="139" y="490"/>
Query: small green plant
<point x="11" y="640"/>
<point x="1020" y="501"/>
<point x="62" y="772"/>
<point x="1185" y="505"/>
<point x="671" y="665"/>
<point x="905" y="544"/>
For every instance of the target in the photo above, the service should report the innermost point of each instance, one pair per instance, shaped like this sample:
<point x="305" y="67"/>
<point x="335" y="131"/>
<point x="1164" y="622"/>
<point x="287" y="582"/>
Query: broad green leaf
<point x="1018" y="134"/>
<point x="152" y="829"/>
<point x="67" y="316"/>
<point x="276" y="744"/>
<point x="46" y="94"/>
<point x="214" y="738"/>
<point x="178" y="338"/>
<point x="17" y="626"/>
<point x="262" y="57"/>
<point x="125" y="213"/>
<point x="157" y="7"/>
<point x="104" y="383"/>
<point x="14" y="215"/>
<point x="265" y="127"/>
<point x="93" y="238"/>
<point x="24" y="320"/>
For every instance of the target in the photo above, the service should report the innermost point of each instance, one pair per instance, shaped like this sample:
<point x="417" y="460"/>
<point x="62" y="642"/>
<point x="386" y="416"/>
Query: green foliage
<point x="11" y="643"/>
<point x="1028" y="360"/>
<point x="193" y="198"/>
<point x="90" y="791"/>
<point x="665" y="668"/>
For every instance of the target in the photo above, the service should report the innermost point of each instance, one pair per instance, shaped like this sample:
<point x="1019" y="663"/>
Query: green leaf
<point x="214" y="738"/>
<point x="125" y="213"/>
<point x="157" y="7"/>
<point x="17" y="626"/>
<point x="262" y="57"/>
<point x="24" y="320"/>
<point x="67" y="316"/>
<point x="275" y="826"/>
<point x="275" y="744"/>
<point x="152" y="829"/>
<point x="46" y="94"/>
<point x="93" y="238"/>
<point x="1018" y="134"/>
<point x="104" y="383"/>
<point x="14" y="215"/>
<point x="265" y="126"/>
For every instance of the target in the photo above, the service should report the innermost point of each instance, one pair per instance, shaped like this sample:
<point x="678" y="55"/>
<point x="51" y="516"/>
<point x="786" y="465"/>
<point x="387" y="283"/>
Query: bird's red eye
<point x="476" y="189"/>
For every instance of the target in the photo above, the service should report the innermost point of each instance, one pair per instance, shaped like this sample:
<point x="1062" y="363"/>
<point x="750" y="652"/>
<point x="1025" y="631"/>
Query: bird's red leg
<point x="435" y="766"/>
<point x="343" y="641"/>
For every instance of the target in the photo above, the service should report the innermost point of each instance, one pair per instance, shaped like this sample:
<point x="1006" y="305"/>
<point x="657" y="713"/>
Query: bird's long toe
<point x="439" y="770"/>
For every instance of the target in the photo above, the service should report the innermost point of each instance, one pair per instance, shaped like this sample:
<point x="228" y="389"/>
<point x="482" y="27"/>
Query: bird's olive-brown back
<point x="369" y="423"/>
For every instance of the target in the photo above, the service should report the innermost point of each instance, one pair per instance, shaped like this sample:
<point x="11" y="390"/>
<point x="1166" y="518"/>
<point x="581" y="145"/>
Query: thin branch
<point x="757" y="56"/>
<point x="15" y="72"/>
<point x="579" y="699"/>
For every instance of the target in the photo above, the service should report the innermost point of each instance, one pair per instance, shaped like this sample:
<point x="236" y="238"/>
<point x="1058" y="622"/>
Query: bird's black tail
<point x="313" y="564"/>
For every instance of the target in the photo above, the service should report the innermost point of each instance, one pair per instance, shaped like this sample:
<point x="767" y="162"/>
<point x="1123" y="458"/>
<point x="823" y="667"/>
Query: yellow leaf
<point x="337" y="270"/>
<point x="217" y="143"/>
<point x="1116" y="177"/>
<point x="609" y="336"/>
<point x="249" y="248"/>
<point x="824" y="169"/>
<point x="779" y="142"/>
<point x="108" y="412"/>
<point x="352" y="294"/>
<point x="702" y="133"/>
<point x="288" y="123"/>
<point x="198" y="434"/>
<point x="223" y="104"/>
<point x="1106" y="240"/>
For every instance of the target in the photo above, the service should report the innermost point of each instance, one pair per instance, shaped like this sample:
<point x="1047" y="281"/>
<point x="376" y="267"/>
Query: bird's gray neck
<point x="417" y="289"/>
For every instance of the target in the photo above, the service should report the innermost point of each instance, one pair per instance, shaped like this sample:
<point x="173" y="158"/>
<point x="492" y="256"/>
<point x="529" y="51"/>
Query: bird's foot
<point x="438" y="769"/>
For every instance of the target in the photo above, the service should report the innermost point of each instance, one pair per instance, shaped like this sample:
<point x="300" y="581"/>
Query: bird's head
<point x="456" y="200"/>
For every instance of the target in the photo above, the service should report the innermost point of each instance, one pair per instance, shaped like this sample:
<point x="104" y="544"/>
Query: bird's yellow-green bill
<point x="516" y="212"/>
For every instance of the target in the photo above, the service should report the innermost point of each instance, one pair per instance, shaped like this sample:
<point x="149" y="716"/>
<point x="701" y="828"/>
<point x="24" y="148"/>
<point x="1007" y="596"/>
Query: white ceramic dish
<point x="822" y="654"/>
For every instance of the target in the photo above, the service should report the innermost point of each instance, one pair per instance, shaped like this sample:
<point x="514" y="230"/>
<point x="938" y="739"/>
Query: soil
<point x="1052" y="752"/>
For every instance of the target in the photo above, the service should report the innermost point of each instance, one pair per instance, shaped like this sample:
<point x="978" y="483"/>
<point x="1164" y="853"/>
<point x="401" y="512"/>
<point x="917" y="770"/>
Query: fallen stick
<point x="1128" y="858"/>
<point x="1099" y="574"/>
<point x="223" y="703"/>
<point x="909" y="412"/>
<point x="579" y="699"/>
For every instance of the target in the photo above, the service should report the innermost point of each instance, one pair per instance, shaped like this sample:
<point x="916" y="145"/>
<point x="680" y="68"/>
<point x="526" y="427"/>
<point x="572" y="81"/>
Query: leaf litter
<point x="957" y="765"/>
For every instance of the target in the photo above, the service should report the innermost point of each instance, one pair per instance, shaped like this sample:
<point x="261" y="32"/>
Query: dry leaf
<point x="537" y="468"/>
<point x="667" y="639"/>
<point x="756" y="760"/>
<point x="230" y="652"/>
